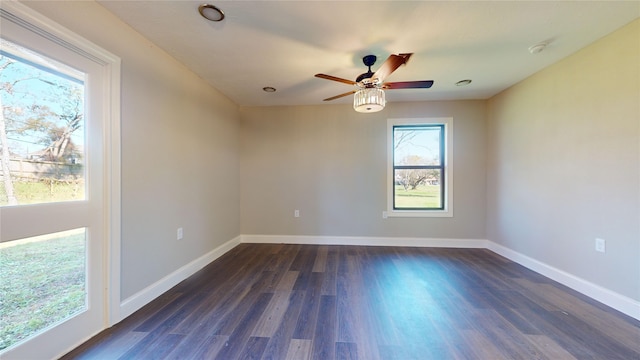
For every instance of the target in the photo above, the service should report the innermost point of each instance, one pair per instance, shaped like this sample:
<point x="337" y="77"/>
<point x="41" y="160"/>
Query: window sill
<point x="417" y="213"/>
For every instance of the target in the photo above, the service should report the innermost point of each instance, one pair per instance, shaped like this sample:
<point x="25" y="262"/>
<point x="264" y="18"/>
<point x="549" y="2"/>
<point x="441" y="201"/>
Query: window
<point x="419" y="162"/>
<point x="59" y="186"/>
<point x="41" y="128"/>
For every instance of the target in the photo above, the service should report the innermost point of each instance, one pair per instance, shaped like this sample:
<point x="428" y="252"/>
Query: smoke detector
<point x="534" y="49"/>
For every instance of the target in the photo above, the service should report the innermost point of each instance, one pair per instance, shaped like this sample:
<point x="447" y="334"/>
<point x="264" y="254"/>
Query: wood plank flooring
<point x="348" y="302"/>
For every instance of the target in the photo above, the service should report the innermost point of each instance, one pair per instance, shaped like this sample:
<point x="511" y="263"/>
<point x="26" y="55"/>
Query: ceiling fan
<point x="369" y="95"/>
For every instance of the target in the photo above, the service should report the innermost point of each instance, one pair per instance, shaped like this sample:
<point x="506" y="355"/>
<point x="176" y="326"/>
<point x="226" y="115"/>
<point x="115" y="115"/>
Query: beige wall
<point x="179" y="151"/>
<point x="563" y="164"/>
<point x="553" y="162"/>
<point x="330" y="163"/>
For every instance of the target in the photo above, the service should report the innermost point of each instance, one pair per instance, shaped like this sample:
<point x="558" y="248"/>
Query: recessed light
<point x="463" y="82"/>
<point x="211" y="12"/>
<point x="269" y="89"/>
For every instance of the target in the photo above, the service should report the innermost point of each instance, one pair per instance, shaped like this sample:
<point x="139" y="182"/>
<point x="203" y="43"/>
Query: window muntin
<point x="419" y="163"/>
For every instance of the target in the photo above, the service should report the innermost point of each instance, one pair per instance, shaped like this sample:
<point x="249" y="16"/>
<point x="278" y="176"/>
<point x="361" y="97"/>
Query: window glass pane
<point x="416" y="145"/>
<point x="42" y="138"/>
<point x="417" y="189"/>
<point x="43" y="283"/>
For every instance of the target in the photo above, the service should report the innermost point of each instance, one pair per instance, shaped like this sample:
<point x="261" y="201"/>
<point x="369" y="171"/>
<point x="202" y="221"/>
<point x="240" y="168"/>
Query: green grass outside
<point x="424" y="196"/>
<point x="33" y="192"/>
<point x="42" y="283"/>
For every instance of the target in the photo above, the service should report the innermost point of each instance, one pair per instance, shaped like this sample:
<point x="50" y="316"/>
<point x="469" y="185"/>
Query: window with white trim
<point x="60" y="100"/>
<point x="419" y="178"/>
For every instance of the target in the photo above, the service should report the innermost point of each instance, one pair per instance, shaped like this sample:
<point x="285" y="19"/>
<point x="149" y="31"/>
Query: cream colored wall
<point x="179" y="151"/>
<point x="330" y="163"/>
<point x="564" y="162"/>
<point x="561" y="152"/>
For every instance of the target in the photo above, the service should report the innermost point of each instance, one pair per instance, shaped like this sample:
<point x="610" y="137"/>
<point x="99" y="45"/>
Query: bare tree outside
<point x="4" y="143"/>
<point x="417" y="157"/>
<point x="41" y="136"/>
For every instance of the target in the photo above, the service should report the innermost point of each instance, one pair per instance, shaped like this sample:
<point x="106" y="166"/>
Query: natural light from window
<point x="42" y="138"/>
<point x="419" y="167"/>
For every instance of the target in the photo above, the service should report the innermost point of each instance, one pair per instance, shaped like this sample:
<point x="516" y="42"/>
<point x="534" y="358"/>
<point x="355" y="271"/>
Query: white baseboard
<point x="363" y="241"/>
<point x="610" y="298"/>
<point x="142" y="298"/>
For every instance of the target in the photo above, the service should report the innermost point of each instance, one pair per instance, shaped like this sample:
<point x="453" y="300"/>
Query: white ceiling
<point x="284" y="43"/>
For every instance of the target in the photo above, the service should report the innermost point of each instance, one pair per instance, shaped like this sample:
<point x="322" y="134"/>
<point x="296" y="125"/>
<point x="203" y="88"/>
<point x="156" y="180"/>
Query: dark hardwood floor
<point x="348" y="302"/>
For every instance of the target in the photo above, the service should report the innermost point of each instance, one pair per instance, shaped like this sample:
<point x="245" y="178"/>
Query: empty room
<point x="319" y="179"/>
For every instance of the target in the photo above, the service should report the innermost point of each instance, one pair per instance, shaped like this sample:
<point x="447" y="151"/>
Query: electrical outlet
<point x="179" y="233"/>
<point x="384" y="215"/>
<point x="601" y="245"/>
<point x="296" y="213"/>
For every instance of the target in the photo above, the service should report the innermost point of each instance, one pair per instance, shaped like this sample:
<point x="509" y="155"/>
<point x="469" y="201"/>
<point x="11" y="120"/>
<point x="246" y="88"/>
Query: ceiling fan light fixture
<point x="211" y="12"/>
<point x="369" y="100"/>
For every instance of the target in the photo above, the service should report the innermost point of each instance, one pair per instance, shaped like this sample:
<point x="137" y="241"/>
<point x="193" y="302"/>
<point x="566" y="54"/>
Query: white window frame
<point x="30" y="20"/>
<point x="448" y="166"/>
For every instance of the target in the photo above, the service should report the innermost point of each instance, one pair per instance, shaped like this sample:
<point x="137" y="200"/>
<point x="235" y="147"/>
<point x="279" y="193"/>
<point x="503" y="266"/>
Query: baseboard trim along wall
<point x="612" y="299"/>
<point x="363" y="241"/>
<point x="142" y="298"/>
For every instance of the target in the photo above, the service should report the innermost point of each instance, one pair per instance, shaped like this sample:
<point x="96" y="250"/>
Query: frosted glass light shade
<point x="368" y="100"/>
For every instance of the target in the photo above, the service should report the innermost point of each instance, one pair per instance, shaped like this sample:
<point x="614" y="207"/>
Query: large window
<point x="419" y="176"/>
<point x="59" y="186"/>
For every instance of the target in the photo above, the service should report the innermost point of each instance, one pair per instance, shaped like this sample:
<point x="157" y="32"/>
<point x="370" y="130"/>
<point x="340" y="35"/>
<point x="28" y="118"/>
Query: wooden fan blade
<point x="390" y="65"/>
<point x="329" y="77"/>
<point x="341" y="95"/>
<point x="423" y="84"/>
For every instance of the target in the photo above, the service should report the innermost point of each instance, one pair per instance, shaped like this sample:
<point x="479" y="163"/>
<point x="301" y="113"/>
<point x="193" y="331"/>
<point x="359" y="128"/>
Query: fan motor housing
<point x="368" y="61"/>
